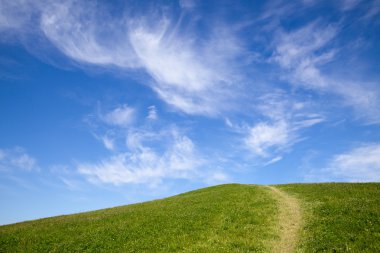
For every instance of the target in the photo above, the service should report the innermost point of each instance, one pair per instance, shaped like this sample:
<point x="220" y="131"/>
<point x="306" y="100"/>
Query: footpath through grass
<point x="340" y="217"/>
<point x="289" y="221"/>
<point x="226" y="218"/>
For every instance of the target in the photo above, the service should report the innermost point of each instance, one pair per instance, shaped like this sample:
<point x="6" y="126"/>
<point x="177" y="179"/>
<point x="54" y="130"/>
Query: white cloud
<point x="77" y="29"/>
<point x="195" y="75"/>
<point x="151" y="154"/>
<point x="286" y="117"/>
<point x="15" y="14"/>
<point x="360" y="164"/>
<point x="263" y="137"/>
<point x="136" y="139"/>
<point x="349" y="4"/>
<point x="17" y="159"/>
<point x="185" y="70"/>
<point x="274" y="160"/>
<point x="152" y="113"/>
<point x="172" y="63"/>
<point x="189" y="102"/>
<point x="108" y="142"/>
<point x="313" y="120"/>
<point x="121" y="116"/>
<point x="217" y="177"/>
<point x="296" y="51"/>
<point x="144" y="165"/>
<point x="302" y="54"/>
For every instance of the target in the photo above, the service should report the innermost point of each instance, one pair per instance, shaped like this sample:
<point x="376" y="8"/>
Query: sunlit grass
<point x="339" y="217"/>
<point x="227" y="218"/>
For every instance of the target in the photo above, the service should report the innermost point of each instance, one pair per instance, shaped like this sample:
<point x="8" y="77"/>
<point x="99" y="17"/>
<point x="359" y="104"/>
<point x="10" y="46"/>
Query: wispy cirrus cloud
<point x="264" y="137"/>
<point x="284" y="118"/>
<point x="121" y="116"/>
<point x="16" y="15"/>
<point x="196" y="75"/>
<point x="300" y="51"/>
<point x="144" y="164"/>
<point x="360" y="164"/>
<point x="187" y="70"/>
<point x="17" y="159"/>
<point x="196" y="64"/>
<point x="145" y="153"/>
<point x="271" y="139"/>
<point x="77" y="28"/>
<point x="152" y="113"/>
<point x="108" y="126"/>
<point x="305" y="52"/>
<point x="349" y="4"/>
<point x="184" y="69"/>
<point x="108" y="141"/>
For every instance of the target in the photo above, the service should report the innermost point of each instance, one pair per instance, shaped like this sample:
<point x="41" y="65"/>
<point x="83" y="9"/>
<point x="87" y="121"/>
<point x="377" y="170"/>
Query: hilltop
<point x="225" y="218"/>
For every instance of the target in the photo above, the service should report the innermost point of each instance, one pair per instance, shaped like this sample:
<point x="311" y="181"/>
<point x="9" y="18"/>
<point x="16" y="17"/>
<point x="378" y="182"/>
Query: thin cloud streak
<point x="184" y="71"/>
<point x="360" y="164"/>
<point x="17" y="159"/>
<point x="76" y="29"/>
<point x="284" y="119"/>
<point x="302" y="54"/>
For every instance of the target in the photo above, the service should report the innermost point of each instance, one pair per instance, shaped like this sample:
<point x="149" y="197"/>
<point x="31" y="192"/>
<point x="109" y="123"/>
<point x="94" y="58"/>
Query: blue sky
<point x="105" y="103"/>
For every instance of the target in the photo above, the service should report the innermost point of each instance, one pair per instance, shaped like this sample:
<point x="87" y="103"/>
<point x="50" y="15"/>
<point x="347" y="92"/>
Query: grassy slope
<point x="338" y="217"/>
<point x="227" y="218"/>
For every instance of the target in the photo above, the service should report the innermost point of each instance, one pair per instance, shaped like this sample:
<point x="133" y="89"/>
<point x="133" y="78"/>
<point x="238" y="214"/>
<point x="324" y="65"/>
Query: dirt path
<point x="290" y="218"/>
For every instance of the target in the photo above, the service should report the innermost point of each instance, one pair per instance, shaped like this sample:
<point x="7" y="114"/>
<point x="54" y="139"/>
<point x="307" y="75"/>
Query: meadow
<point x="226" y="218"/>
<point x="338" y="217"/>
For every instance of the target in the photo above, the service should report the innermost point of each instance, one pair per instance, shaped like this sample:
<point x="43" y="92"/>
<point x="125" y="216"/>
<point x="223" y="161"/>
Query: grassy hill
<point x="338" y="217"/>
<point x="225" y="218"/>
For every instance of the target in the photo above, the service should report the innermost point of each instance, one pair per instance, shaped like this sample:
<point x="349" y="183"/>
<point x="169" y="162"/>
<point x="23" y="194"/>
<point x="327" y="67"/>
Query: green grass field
<point x="338" y="217"/>
<point x="225" y="218"/>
